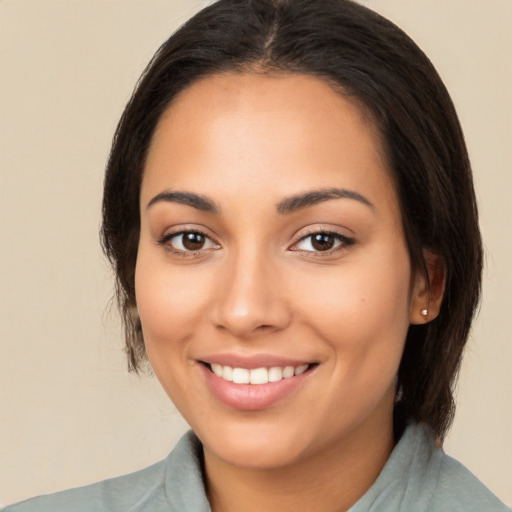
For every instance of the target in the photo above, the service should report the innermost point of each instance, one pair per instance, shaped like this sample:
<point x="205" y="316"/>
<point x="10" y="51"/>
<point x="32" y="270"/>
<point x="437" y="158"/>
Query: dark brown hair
<point x="366" y="58"/>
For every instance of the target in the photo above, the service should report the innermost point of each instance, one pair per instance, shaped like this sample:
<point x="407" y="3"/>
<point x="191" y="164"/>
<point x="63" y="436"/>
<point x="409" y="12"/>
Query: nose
<point x="251" y="298"/>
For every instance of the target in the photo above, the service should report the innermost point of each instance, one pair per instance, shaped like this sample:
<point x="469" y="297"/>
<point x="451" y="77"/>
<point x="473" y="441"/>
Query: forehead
<point x="255" y="96"/>
<point x="240" y="130"/>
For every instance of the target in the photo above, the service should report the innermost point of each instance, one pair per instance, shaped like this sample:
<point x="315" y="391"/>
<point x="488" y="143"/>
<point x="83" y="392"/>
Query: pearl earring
<point x="424" y="312"/>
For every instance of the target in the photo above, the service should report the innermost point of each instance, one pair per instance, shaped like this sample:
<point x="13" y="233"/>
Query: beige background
<point x="69" y="412"/>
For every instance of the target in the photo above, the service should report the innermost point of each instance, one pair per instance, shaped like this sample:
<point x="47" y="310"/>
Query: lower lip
<point x="252" y="397"/>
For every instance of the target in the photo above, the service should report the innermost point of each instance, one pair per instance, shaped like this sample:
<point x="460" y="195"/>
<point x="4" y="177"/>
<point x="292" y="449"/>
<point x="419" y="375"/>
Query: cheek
<point x="170" y="301"/>
<point x="362" y="311"/>
<point x="170" y="304"/>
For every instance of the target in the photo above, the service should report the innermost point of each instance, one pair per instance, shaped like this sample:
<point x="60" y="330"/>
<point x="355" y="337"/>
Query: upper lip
<point x="253" y="361"/>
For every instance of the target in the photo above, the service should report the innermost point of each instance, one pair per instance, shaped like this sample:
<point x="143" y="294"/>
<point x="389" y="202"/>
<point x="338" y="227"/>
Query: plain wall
<point x="70" y="414"/>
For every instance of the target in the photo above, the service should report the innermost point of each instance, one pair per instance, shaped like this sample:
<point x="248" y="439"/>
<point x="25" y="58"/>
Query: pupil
<point x="193" y="241"/>
<point x="322" y="242"/>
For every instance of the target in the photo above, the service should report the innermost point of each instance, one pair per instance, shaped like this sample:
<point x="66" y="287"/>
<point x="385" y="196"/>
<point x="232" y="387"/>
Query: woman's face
<point x="272" y="252"/>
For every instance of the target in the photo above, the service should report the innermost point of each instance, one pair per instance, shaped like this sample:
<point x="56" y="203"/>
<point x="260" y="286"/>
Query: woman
<point x="290" y="213"/>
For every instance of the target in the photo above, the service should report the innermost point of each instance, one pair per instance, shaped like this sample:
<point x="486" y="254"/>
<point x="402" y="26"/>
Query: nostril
<point x="264" y="327"/>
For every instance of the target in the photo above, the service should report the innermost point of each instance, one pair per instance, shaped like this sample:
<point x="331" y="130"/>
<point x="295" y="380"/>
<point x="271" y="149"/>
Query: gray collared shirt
<point x="418" y="477"/>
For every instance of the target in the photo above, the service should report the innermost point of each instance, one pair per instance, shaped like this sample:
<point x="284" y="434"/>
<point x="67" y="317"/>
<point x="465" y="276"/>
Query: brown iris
<point x="193" y="241"/>
<point x="322" y="241"/>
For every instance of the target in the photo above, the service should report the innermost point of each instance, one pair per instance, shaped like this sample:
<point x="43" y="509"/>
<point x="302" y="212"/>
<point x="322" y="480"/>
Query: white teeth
<point x="289" y="371"/>
<point x="227" y="373"/>
<point x="240" y="376"/>
<point x="301" y="369"/>
<point x="257" y="375"/>
<point x="217" y="369"/>
<point x="275" y="374"/>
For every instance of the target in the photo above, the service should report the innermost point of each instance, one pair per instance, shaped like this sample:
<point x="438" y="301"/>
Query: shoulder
<point x="420" y="477"/>
<point x="172" y="485"/>
<point x="458" y="489"/>
<point x="112" y="494"/>
<point x="444" y="483"/>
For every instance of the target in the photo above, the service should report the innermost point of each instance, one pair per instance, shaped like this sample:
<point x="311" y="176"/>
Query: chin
<point x="256" y="455"/>
<point x="253" y="446"/>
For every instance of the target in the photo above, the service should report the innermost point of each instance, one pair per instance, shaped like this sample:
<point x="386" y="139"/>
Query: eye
<point x="188" y="241"/>
<point x="322" y="242"/>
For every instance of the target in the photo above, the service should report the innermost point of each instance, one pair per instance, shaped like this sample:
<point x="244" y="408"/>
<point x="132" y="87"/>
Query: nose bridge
<point x="250" y="297"/>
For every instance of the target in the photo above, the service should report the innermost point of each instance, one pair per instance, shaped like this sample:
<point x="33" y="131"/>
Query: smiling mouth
<point x="256" y="376"/>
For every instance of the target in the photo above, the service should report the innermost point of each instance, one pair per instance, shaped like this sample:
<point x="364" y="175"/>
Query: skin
<point x="247" y="142"/>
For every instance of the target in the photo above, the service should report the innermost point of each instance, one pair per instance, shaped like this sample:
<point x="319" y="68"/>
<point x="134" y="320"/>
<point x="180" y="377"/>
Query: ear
<point x="428" y="289"/>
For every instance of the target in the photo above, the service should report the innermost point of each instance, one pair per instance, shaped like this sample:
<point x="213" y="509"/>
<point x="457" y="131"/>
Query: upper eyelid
<point x="166" y="237"/>
<point x="347" y="239"/>
<point x="325" y="231"/>
<point x="178" y="230"/>
<point x="320" y="227"/>
<point x="166" y="244"/>
<point x="322" y="232"/>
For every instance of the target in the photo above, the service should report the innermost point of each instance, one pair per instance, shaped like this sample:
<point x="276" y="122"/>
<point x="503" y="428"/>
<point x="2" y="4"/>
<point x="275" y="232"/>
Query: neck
<point x="330" y="481"/>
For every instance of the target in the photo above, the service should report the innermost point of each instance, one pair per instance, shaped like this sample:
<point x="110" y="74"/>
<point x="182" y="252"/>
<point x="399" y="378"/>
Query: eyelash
<point x="341" y="240"/>
<point x="165" y="242"/>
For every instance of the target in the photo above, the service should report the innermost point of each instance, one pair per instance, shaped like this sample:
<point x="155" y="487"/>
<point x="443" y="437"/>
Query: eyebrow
<point x="197" y="201"/>
<point x="307" y="199"/>
<point x="286" y="206"/>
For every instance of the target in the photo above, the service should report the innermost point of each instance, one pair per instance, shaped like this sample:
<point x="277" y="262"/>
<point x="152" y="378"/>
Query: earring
<point x="424" y="312"/>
